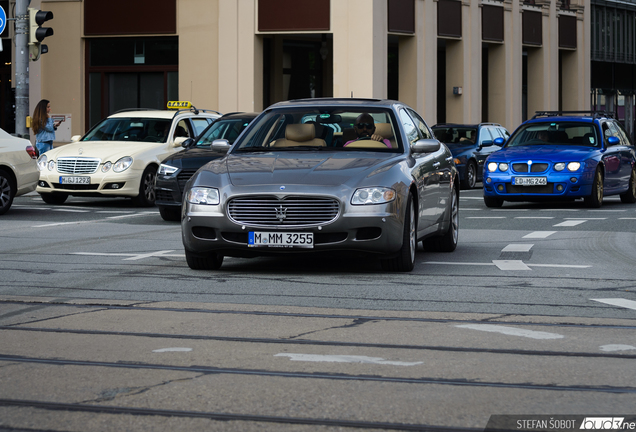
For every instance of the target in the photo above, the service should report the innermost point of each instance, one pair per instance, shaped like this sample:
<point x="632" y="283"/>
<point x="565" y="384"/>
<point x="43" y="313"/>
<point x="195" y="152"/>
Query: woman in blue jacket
<point x="43" y="126"/>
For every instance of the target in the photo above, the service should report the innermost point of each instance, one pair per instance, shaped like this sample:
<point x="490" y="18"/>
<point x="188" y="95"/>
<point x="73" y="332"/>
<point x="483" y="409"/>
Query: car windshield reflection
<point x="332" y="129"/>
<point x="552" y="133"/>
<point x="130" y="129"/>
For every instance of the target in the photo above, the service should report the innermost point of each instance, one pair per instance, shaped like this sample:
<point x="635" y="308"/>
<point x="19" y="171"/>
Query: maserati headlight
<point x="203" y="196"/>
<point x="574" y="166"/>
<point x="167" y="170"/>
<point x="42" y="162"/>
<point x="122" y="164"/>
<point x="372" y="195"/>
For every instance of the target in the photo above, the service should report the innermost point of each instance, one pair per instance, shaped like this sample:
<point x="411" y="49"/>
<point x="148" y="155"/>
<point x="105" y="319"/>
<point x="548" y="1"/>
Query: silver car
<point x="356" y="176"/>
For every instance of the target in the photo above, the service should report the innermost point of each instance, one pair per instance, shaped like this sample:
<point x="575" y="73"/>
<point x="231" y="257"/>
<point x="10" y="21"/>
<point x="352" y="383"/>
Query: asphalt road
<point x="104" y="327"/>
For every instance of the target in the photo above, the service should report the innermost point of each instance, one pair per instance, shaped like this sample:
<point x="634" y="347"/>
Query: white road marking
<point x="539" y="234"/>
<point x="534" y="217"/>
<point x="587" y="218"/>
<point x="570" y="223"/>
<point x="114" y="211"/>
<point x="560" y="210"/>
<point x="512" y="331"/>
<point x="617" y="347"/>
<point x="522" y="247"/>
<point x="607" y="210"/>
<point x="344" y="359"/>
<point x="132" y="256"/>
<point x="469" y="209"/>
<point x="629" y="304"/>
<point x="71" y="210"/>
<point x="572" y="266"/>
<point x="471" y="198"/>
<point x="626" y="218"/>
<point x="509" y="210"/>
<point x="175" y="349"/>
<point x="486" y="217"/>
<point x="93" y="221"/>
<point x="510" y="265"/>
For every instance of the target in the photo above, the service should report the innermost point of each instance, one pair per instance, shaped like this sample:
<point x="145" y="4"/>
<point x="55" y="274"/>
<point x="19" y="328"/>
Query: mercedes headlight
<point x="203" y="196"/>
<point x="106" y="166"/>
<point x="373" y="195"/>
<point x="42" y="162"/>
<point x="122" y="164"/>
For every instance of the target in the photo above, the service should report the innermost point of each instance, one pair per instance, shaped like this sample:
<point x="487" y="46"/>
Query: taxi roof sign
<point x="179" y="105"/>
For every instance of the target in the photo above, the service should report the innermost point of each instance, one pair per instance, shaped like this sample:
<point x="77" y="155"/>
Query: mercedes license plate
<point x="531" y="181"/>
<point x="281" y="239"/>
<point x="74" y="180"/>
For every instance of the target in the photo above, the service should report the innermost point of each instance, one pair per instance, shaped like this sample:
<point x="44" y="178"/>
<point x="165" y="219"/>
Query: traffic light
<point x="37" y="33"/>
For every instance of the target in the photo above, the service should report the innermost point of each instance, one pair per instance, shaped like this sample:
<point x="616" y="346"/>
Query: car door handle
<point x="448" y="159"/>
<point x="436" y="165"/>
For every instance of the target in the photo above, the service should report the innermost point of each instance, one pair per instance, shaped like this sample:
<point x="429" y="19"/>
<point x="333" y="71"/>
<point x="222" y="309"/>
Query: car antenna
<point x="351" y="94"/>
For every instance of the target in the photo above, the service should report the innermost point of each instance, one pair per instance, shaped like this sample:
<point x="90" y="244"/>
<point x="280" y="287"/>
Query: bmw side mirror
<point x="425" y="146"/>
<point x="221" y="145"/>
<point x="613" y="141"/>
<point x="187" y="143"/>
<point x="499" y="141"/>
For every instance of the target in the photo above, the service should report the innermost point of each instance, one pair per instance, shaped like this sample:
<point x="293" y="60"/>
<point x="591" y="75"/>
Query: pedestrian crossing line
<point x="539" y="234"/>
<point x="624" y="303"/>
<point x="570" y="223"/>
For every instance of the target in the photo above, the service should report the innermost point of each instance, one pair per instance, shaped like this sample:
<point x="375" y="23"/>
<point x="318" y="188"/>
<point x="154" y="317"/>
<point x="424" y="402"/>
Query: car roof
<point x="473" y="125"/>
<point x="335" y="101"/>
<point x="155" y="113"/>
<point x="236" y="115"/>
<point x="575" y="116"/>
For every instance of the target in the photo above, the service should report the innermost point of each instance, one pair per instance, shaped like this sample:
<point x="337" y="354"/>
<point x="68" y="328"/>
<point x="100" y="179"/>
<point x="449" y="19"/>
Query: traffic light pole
<point x="21" y="66"/>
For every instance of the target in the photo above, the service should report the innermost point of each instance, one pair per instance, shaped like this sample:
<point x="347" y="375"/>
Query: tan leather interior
<point x="366" y="144"/>
<point x="300" y="135"/>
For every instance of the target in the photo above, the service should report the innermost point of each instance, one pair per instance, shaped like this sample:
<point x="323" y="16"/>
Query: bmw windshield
<point x="555" y="133"/>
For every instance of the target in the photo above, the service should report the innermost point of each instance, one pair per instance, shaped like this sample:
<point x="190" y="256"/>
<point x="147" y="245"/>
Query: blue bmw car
<point x="563" y="155"/>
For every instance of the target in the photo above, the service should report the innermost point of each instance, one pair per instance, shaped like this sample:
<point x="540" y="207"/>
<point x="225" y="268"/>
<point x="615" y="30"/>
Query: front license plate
<point x="74" y="180"/>
<point x="281" y="239"/>
<point x="531" y="181"/>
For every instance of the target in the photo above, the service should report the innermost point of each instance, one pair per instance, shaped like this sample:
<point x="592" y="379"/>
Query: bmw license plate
<point x="281" y="239"/>
<point x="531" y="181"/>
<point x="74" y="180"/>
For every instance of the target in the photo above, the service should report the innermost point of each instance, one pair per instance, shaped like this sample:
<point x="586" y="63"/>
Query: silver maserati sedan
<point x="350" y="176"/>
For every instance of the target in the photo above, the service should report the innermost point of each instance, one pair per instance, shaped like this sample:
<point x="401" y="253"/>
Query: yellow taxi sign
<point x="179" y="105"/>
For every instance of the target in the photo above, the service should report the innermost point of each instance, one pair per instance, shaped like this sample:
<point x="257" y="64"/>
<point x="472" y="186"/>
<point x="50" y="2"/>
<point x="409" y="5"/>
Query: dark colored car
<point x="563" y="155"/>
<point x="348" y="176"/>
<point x="176" y="170"/>
<point x="470" y="144"/>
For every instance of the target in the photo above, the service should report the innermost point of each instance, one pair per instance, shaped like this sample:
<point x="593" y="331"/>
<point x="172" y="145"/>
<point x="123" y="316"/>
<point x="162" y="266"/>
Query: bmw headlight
<point x="106" y="166"/>
<point x="123" y="164"/>
<point x="42" y="162"/>
<point x="167" y="170"/>
<point x="574" y="166"/>
<point x="373" y="195"/>
<point x="203" y="196"/>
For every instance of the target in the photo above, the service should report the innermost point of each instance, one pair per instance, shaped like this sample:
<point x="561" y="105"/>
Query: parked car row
<point x="323" y="175"/>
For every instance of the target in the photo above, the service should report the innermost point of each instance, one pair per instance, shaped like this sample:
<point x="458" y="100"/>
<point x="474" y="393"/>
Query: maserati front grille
<point x="291" y="210"/>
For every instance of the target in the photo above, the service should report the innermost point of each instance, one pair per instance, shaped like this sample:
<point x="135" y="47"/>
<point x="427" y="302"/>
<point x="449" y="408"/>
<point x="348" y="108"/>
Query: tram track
<point x="119" y="410"/>
<point x="310" y="342"/>
<point x="317" y="375"/>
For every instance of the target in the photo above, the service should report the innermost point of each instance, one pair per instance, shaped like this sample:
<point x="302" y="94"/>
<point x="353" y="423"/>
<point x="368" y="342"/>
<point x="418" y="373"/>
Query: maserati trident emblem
<point x="281" y="213"/>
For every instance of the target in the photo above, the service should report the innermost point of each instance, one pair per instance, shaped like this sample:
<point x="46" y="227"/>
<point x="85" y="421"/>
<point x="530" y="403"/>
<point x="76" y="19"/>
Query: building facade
<point x="453" y="61"/>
